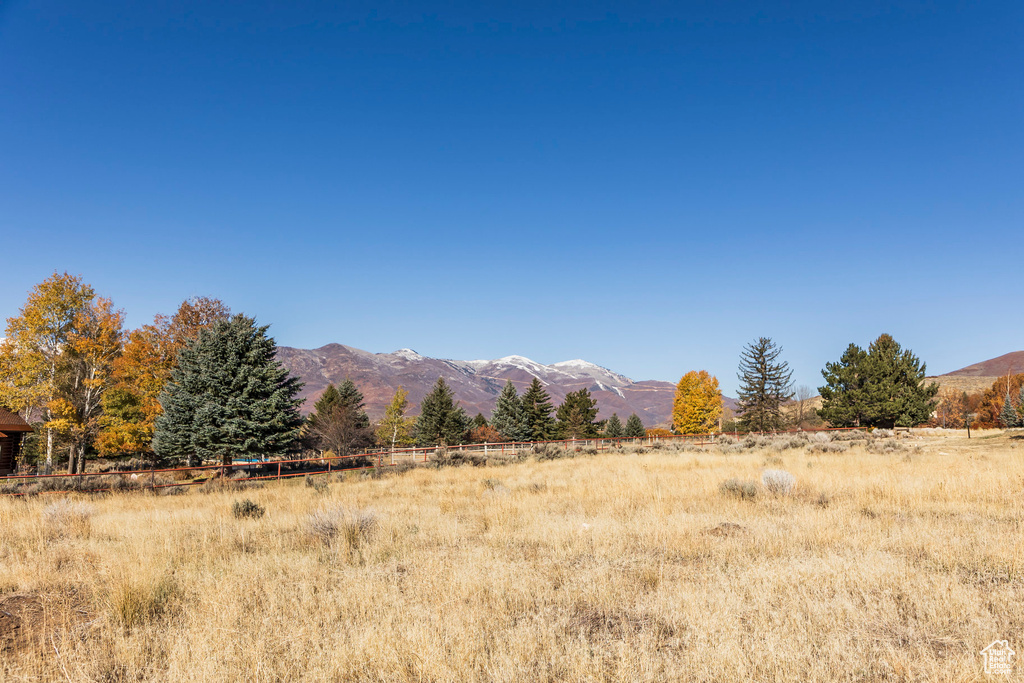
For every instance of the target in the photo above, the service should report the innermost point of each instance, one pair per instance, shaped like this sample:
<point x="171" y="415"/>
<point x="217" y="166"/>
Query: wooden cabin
<point x="12" y="429"/>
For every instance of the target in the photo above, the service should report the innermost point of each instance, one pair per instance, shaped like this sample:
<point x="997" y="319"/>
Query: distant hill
<point x="980" y="376"/>
<point x="1009" y="364"/>
<point x="476" y="383"/>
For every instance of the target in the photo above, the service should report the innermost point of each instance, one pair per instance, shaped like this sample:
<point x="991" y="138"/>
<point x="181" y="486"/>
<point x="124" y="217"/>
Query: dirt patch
<point x="27" y="620"/>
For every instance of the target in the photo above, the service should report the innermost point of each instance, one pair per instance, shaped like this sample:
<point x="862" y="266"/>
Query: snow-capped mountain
<point x="476" y="383"/>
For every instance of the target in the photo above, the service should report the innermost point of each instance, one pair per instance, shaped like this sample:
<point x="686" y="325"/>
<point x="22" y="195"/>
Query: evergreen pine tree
<point x="765" y="384"/>
<point x="613" y="428"/>
<point x="1009" y="416"/>
<point x="478" y="421"/>
<point x="576" y="415"/>
<point x="537" y="407"/>
<point x="228" y="397"/>
<point x="509" y="416"/>
<point x="338" y="422"/>
<point x="881" y="387"/>
<point x="351" y="398"/>
<point x="441" y="421"/>
<point x="844" y="397"/>
<point x="895" y="391"/>
<point x="323" y="407"/>
<point x="635" y="427"/>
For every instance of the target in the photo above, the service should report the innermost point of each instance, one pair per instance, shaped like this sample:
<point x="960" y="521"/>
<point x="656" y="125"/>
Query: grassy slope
<point x="611" y="567"/>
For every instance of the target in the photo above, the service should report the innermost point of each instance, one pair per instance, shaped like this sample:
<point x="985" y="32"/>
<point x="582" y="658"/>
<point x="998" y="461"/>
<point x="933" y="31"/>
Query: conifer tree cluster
<point x="441" y="422"/>
<point x="881" y="387"/>
<point x="635" y="427"/>
<point x="577" y="414"/>
<point x="339" y="422"/>
<point x="228" y="397"/>
<point x="509" y="417"/>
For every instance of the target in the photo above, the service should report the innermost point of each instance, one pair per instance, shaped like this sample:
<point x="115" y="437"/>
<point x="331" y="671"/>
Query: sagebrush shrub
<point x="247" y="509"/>
<point x="318" y="484"/>
<point x="779" y="482"/>
<point x="335" y="524"/>
<point x="738" y="488"/>
<point x="885" y="446"/>
<point x="67" y="517"/>
<point x="828" y="447"/>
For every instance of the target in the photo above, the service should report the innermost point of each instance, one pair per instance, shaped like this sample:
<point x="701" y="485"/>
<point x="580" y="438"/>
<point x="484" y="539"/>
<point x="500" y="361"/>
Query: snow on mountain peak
<point x="576" y="363"/>
<point x="407" y="354"/>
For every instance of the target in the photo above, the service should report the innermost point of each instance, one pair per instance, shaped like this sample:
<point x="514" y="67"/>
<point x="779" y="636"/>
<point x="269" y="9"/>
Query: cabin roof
<point x="12" y="422"/>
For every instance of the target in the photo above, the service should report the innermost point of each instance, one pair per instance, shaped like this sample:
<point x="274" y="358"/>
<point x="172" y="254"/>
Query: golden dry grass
<point x="900" y="566"/>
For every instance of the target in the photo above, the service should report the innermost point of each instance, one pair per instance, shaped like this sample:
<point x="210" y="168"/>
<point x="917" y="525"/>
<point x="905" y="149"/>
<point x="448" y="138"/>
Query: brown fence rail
<point x="333" y="464"/>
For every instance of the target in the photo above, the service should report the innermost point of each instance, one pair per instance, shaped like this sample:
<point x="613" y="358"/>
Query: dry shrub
<point x="339" y="524"/>
<point x="444" y="457"/>
<point x="318" y="484"/>
<point x="746" y="490"/>
<point x="778" y="482"/>
<point x="885" y="446"/>
<point x="549" y="451"/>
<point x="828" y="447"/>
<point x="247" y="509"/>
<point x="66" y="517"/>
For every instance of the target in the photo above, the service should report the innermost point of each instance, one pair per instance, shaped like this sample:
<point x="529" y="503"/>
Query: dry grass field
<point x="887" y="561"/>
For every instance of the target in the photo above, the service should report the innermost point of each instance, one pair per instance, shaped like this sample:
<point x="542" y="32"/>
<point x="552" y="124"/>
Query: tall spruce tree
<point x="509" y="417"/>
<point x="576" y="415"/>
<point x="537" y="407"/>
<point x="613" y="428"/>
<point x="1009" y="417"/>
<point x="635" y="427"/>
<point x="441" y="421"/>
<point x="882" y="387"/>
<point x="765" y="384"/>
<point x="228" y="397"/>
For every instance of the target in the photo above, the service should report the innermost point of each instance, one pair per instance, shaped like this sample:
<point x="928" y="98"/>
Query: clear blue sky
<point x="645" y="186"/>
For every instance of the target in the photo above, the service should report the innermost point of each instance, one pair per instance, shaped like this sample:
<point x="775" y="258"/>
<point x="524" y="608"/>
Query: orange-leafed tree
<point x="94" y="345"/>
<point x="992" y="400"/>
<point x="698" y="403"/>
<point x="951" y="412"/>
<point x="140" y="373"/>
<point x="484" y="434"/>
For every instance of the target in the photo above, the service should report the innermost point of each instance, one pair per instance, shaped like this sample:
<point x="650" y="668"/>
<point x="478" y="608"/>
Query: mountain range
<point x="476" y="383"/>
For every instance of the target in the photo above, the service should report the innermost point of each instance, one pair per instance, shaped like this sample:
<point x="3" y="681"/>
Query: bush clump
<point x="885" y="446"/>
<point x="247" y="509"/>
<point x="746" y="490"/>
<point x="67" y="517"/>
<point x="827" y="447"/>
<point x="778" y="482"/>
<point x="335" y="524"/>
<point x="318" y="484"/>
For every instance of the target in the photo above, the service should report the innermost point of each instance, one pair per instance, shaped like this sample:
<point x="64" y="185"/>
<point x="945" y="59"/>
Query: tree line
<point x="882" y="386"/>
<point x="205" y="384"/>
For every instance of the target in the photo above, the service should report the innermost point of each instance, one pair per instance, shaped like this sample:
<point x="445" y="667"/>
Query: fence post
<point x="279" y="471"/>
